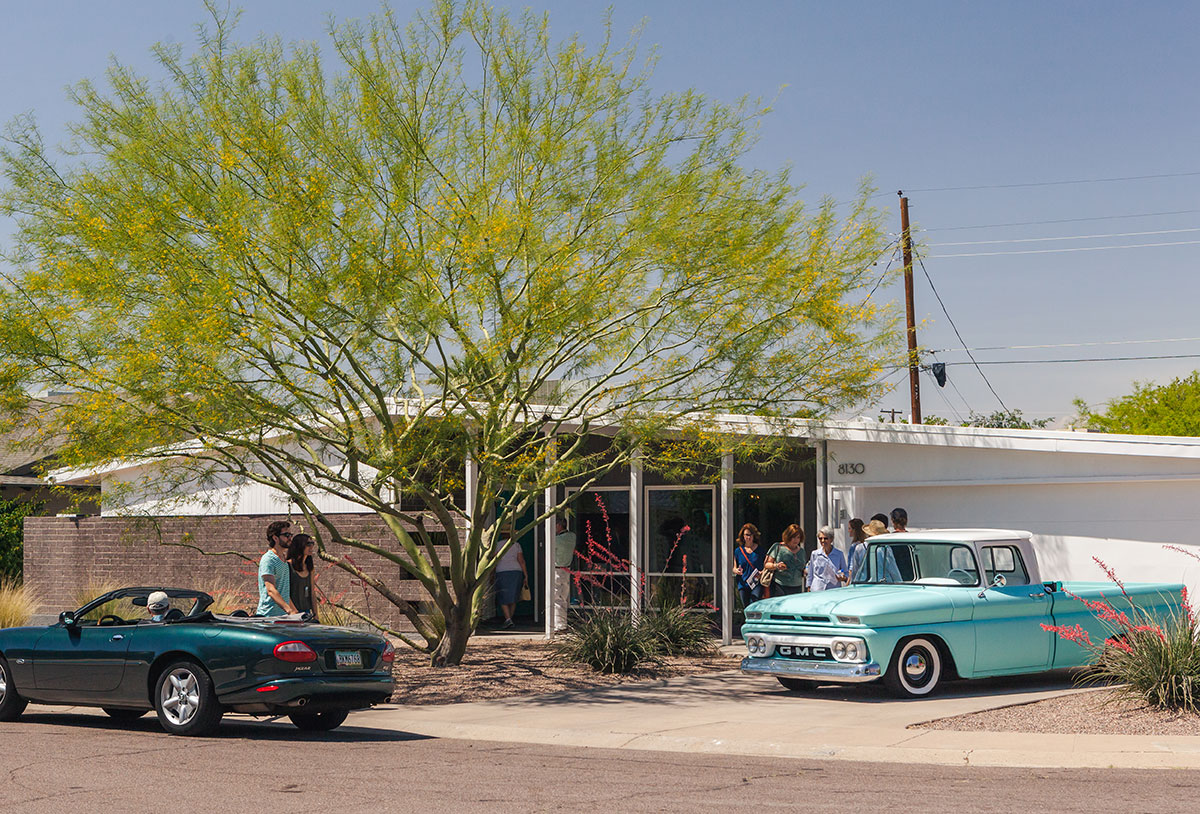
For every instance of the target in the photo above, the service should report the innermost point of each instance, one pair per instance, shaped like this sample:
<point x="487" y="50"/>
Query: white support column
<point x="635" y="533"/>
<point x="471" y="478"/>
<point x="550" y="498"/>
<point x="823" y="485"/>
<point x="724" y="569"/>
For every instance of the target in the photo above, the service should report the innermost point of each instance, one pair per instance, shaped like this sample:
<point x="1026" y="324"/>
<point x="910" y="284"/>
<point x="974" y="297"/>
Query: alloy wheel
<point x="180" y="696"/>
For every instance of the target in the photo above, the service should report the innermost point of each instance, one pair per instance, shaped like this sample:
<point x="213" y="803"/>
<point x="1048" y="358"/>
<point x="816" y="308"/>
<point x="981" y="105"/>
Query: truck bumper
<point x="841" y="672"/>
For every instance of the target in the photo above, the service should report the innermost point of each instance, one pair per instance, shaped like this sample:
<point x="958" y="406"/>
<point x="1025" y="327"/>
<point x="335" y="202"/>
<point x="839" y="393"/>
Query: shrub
<point x="609" y="640"/>
<point x="676" y="631"/>
<point x="1151" y="659"/>
<point x="17" y="603"/>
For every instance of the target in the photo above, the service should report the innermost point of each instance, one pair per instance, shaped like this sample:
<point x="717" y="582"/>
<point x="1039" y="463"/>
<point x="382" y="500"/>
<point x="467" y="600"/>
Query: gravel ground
<point x="504" y="669"/>
<point x="1098" y="712"/>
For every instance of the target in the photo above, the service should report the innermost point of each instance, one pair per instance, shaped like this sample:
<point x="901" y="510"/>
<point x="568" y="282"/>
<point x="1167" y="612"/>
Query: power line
<point x="1075" y="344"/>
<point x="1067" y="237"/>
<point x="1061" y="220"/>
<point x="1072" y="361"/>
<point x="1062" y="183"/>
<point x="1062" y="251"/>
<point x="959" y="335"/>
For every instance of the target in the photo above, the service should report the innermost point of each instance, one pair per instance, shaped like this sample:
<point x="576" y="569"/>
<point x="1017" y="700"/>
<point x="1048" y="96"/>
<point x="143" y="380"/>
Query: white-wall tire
<point x="916" y="668"/>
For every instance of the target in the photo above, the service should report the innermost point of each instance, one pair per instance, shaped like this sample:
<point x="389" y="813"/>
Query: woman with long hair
<point x="787" y="559"/>
<point x="300" y="560"/>
<point x="748" y="564"/>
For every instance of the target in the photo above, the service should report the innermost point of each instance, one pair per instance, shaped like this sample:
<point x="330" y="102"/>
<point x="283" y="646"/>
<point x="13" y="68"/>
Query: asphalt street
<point x="84" y="762"/>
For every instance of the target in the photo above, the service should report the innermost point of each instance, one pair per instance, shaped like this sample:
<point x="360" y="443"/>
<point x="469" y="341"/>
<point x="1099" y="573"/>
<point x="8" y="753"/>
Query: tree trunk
<point x="450" y="650"/>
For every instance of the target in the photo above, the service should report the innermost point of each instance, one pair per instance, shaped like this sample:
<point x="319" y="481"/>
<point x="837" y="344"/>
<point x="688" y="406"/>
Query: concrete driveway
<point x="728" y="713"/>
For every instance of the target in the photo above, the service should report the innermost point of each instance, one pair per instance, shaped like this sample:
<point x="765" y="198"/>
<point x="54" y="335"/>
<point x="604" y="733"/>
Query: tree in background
<point x="1168" y="409"/>
<point x="461" y="239"/>
<point x="1000" y="419"/>
<point x="12" y="535"/>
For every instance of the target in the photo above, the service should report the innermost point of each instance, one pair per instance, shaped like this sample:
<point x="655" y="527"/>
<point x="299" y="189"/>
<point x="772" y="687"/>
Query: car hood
<point x="874" y="605"/>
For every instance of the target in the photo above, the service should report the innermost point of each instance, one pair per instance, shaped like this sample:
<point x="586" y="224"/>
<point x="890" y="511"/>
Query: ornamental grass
<point x="610" y="640"/>
<point x="17" y="603"/>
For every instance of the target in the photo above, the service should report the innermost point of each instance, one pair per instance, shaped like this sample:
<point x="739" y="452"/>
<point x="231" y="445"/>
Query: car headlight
<point x="839" y="650"/>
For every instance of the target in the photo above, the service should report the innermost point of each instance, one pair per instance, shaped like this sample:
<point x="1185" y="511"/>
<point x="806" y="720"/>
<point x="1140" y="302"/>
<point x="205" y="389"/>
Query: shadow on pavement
<point x="701" y="689"/>
<point x="232" y="726"/>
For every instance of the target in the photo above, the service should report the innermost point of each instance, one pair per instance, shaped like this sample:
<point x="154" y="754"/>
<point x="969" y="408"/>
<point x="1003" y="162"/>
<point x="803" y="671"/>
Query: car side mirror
<point x="67" y="619"/>
<point x="998" y="582"/>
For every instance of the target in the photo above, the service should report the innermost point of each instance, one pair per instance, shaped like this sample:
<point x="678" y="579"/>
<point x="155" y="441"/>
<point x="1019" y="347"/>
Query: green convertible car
<point x="927" y="606"/>
<point x="191" y="666"/>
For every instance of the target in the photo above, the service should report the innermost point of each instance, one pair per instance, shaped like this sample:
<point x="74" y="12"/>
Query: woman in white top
<point x="511" y="576"/>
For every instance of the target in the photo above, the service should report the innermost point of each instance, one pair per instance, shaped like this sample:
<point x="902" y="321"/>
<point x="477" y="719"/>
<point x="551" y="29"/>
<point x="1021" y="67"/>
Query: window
<point x="1006" y="561"/>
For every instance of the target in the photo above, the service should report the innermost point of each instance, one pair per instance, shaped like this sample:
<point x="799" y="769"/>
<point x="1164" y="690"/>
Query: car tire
<point x="185" y="701"/>
<point x="916" y="668"/>
<point x="319" y="721"/>
<point x="11" y="703"/>
<point x="118" y="714"/>
<point x="797" y="684"/>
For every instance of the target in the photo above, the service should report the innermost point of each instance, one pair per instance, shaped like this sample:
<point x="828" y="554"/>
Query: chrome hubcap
<point x="180" y="696"/>
<point x="915" y="665"/>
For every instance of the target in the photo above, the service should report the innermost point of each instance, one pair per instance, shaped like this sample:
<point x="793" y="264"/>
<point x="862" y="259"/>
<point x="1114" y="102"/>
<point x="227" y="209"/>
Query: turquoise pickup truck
<point x="933" y="605"/>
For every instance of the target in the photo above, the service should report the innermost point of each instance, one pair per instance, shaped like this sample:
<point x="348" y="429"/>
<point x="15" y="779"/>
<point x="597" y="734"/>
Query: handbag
<point x="525" y="594"/>
<point x="766" y="578"/>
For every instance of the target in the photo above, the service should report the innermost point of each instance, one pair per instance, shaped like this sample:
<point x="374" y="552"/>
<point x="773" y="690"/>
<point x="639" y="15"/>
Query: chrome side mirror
<point x="998" y="582"/>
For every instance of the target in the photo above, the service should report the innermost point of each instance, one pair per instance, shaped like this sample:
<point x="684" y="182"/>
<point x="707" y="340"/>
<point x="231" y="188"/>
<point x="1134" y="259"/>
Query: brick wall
<point x="63" y="554"/>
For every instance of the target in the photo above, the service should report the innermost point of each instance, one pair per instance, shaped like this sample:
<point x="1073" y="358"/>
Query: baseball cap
<point x="157" y="602"/>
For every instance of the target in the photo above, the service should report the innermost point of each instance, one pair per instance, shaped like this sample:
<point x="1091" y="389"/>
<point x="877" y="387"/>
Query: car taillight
<point x="296" y="652"/>
<point x="389" y="653"/>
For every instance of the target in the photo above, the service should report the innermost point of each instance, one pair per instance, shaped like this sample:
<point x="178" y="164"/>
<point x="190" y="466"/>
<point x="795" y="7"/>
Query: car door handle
<point x="117" y="637"/>
<point x="1037" y="595"/>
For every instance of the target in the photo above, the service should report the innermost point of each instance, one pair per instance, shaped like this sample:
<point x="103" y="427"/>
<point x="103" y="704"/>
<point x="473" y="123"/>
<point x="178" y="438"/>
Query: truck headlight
<point x="852" y="650"/>
<point x="753" y="614"/>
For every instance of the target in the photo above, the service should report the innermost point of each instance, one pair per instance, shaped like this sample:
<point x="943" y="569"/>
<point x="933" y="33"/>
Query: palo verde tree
<point x="340" y="273"/>
<point x="1151" y="409"/>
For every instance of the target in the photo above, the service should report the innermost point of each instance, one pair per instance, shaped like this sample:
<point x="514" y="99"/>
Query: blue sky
<point x="920" y="96"/>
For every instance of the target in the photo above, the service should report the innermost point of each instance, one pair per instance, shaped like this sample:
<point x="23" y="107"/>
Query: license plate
<point x="348" y="659"/>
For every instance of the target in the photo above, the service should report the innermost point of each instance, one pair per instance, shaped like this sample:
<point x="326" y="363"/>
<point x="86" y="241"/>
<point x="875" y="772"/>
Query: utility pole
<point x="914" y="382"/>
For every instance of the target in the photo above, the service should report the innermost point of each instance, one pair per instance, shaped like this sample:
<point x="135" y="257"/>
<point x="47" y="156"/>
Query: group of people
<point x="787" y="568"/>
<point x="285" y="573"/>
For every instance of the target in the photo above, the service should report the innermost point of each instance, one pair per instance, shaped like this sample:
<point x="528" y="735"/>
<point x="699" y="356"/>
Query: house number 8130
<point x="851" y="469"/>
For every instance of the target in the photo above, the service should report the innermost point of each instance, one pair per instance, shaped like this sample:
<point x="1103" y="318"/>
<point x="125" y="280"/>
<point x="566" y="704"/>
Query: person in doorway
<point x="511" y="576"/>
<point x="787" y="560"/>
<point x="827" y="569"/>
<point x="300" y="561"/>
<point x="747" y="564"/>
<point x="858" y="546"/>
<point x="899" y="520"/>
<point x="274" y="576"/>
<point x="564" y="557"/>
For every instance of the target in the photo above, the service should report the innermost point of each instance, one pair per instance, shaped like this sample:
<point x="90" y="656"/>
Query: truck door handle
<point x="117" y="637"/>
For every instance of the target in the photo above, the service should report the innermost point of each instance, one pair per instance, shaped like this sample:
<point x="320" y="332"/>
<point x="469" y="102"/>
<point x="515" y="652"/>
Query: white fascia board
<point x="808" y="430"/>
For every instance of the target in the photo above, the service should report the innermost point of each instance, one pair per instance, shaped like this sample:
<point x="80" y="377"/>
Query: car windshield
<point x="917" y="563"/>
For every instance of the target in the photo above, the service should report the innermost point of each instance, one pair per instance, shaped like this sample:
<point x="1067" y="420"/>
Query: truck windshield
<point x="915" y="564"/>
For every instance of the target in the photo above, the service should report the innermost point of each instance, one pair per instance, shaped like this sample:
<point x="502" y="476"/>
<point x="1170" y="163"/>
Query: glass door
<point x="680" y="546"/>
<point x="600" y="569"/>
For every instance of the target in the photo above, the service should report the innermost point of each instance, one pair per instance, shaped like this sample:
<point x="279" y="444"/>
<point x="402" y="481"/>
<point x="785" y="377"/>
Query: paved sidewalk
<point x="728" y="713"/>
